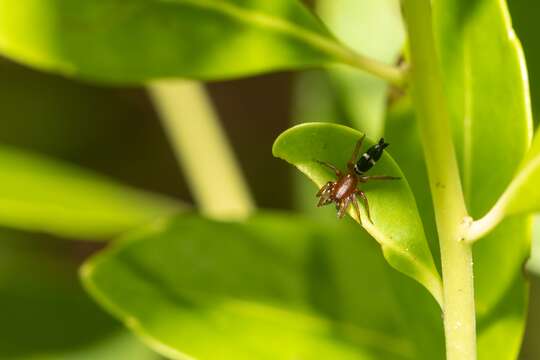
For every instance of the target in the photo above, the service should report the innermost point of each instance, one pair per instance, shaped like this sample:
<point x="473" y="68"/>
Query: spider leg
<point x="324" y="188"/>
<point x="343" y="205"/>
<point x="355" y="152"/>
<point x="366" y="204"/>
<point x="331" y="167"/>
<point x="324" y="200"/>
<point x="324" y="194"/>
<point x="356" y="207"/>
<point x="378" y="177"/>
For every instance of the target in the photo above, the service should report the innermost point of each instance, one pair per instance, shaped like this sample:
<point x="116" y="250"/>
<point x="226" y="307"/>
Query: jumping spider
<point x="344" y="191"/>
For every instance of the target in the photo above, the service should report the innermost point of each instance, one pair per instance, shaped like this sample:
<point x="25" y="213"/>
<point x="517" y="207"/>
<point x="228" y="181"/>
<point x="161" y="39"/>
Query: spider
<point x="344" y="191"/>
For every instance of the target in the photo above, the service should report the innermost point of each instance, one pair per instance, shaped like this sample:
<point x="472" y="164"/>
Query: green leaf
<point x="369" y="27"/>
<point x="276" y="287"/>
<point x="45" y="312"/>
<point x="396" y="223"/>
<point x="492" y="122"/>
<point x="41" y="194"/>
<point x="139" y="40"/>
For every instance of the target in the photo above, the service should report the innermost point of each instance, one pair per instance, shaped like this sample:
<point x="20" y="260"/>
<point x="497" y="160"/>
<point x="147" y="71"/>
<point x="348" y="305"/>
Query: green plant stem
<point x="202" y="149"/>
<point x="483" y="226"/>
<point x="393" y="74"/>
<point x="448" y="200"/>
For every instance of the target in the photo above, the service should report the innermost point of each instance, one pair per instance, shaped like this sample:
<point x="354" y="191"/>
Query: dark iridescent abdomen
<point x="370" y="157"/>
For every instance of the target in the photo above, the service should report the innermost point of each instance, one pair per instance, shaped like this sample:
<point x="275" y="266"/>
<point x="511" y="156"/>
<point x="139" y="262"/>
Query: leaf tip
<point x="86" y="270"/>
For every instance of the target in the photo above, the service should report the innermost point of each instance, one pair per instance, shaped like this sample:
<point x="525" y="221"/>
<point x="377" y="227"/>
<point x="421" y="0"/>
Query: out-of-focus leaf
<point x="396" y="223"/>
<point x="139" y="40"/>
<point x="119" y="345"/>
<point x="370" y="27"/>
<point x="277" y="286"/>
<point x="315" y="100"/>
<point x="485" y="80"/>
<point x="45" y="312"/>
<point x="41" y="194"/>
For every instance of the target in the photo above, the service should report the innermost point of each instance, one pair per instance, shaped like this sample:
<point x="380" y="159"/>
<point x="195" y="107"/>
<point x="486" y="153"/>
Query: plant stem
<point x="503" y="207"/>
<point x="202" y="149"/>
<point x="481" y="227"/>
<point x="396" y="75"/>
<point x="448" y="200"/>
<point x="325" y="43"/>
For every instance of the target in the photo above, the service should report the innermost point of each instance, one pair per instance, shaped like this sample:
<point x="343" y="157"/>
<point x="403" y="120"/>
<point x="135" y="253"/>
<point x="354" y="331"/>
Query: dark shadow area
<point x="43" y="308"/>
<point x="110" y="130"/>
<point x="531" y="342"/>
<point x="254" y="112"/>
<point x="528" y="31"/>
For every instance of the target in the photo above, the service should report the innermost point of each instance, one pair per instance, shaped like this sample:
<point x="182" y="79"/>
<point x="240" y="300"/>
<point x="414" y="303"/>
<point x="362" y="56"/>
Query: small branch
<point x="393" y="74"/>
<point x="479" y="228"/>
<point x="396" y="75"/>
<point x="202" y="149"/>
<point x="323" y="42"/>
<point x="483" y="226"/>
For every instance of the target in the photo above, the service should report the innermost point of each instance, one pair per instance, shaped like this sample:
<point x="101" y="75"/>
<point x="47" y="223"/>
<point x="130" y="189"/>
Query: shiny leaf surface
<point x="140" y="40"/>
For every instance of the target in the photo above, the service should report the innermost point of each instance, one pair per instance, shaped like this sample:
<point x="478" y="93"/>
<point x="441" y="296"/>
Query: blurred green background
<point x="44" y="312"/>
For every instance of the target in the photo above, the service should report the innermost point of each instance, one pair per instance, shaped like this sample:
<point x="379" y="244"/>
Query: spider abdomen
<point x="370" y="157"/>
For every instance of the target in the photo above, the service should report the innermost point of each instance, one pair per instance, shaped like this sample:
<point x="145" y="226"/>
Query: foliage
<point x="283" y="272"/>
<point x="46" y="195"/>
<point x="279" y="285"/>
<point x="137" y="41"/>
<point x="44" y="306"/>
